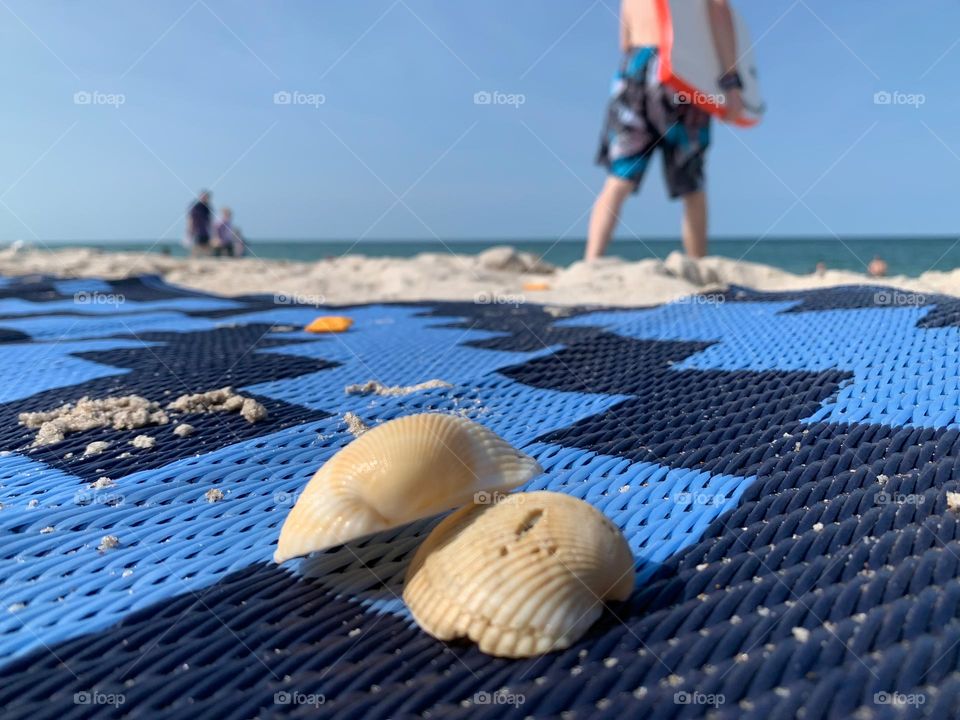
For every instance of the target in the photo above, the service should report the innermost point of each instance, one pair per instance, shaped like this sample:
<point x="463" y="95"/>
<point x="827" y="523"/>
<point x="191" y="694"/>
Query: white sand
<point x="496" y="276"/>
<point x="131" y="412"/>
<point x="213" y="495"/>
<point x="121" y="413"/>
<point x="355" y="425"/>
<point x="183" y="430"/>
<point x="221" y="400"/>
<point x="374" y="387"/>
<point x="108" y="542"/>
<point x="144" y="442"/>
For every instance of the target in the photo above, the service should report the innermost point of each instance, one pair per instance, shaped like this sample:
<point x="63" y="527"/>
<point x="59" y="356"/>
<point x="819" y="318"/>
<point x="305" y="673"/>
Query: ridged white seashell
<point x="522" y="577"/>
<point x="404" y="470"/>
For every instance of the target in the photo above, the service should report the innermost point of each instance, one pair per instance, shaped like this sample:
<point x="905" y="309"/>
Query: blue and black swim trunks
<point x="643" y="116"/>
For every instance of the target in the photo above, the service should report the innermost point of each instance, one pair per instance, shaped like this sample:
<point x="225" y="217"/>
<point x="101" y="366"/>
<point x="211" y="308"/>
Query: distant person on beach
<point x="644" y="115"/>
<point x="877" y="267"/>
<point x="198" y="225"/>
<point x="226" y="239"/>
<point x="821" y="268"/>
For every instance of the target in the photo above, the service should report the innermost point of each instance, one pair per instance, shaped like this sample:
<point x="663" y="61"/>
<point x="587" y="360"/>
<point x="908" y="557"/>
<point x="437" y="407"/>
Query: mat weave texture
<point x="781" y="465"/>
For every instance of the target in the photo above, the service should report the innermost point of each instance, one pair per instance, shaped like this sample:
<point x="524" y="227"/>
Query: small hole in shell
<point x="503" y="551"/>
<point x="529" y="521"/>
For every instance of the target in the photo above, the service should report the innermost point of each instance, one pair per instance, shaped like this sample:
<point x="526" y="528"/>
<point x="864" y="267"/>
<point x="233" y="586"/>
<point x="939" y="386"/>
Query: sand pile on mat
<point x="355" y="425"/>
<point x="120" y="413"/>
<point x="496" y="277"/>
<point x="130" y="412"/>
<point x="373" y="387"/>
<point x="221" y="400"/>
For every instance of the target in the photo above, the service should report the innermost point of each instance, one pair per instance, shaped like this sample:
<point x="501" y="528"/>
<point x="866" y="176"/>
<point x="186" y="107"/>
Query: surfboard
<point x="689" y="63"/>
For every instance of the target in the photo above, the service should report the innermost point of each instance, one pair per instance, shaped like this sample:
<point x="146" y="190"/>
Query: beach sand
<point x="500" y="275"/>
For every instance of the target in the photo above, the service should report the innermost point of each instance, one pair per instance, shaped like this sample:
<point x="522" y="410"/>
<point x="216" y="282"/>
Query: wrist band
<point x="731" y="81"/>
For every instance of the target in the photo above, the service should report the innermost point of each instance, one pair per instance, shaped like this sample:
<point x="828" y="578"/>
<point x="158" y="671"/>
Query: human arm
<point x="725" y="43"/>
<point x="624" y="27"/>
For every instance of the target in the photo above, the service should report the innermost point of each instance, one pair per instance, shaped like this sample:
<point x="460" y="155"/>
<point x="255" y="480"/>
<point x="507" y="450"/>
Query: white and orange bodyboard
<point x="689" y="64"/>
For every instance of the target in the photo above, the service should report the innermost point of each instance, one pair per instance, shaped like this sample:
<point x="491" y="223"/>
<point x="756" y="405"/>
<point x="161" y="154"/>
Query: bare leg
<point x="695" y="224"/>
<point x="605" y="215"/>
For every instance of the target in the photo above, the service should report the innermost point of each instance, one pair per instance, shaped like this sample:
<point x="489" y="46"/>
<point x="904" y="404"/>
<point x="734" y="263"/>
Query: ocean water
<point x="904" y="256"/>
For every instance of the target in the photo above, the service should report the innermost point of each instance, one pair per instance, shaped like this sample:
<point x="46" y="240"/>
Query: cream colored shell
<point x="403" y="470"/>
<point x="522" y="577"/>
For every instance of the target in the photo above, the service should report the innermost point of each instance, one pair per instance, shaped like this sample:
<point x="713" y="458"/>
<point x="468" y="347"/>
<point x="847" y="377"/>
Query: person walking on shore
<point x="644" y="115"/>
<point x="198" y="225"/>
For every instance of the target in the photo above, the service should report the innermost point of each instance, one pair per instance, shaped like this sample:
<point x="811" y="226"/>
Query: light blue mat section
<point x="27" y="369"/>
<point x="59" y="327"/>
<point x="903" y="375"/>
<point x="109" y="302"/>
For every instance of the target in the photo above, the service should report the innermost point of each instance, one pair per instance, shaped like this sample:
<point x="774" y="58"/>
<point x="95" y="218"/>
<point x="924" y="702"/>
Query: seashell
<point x="329" y="324"/>
<point x="520" y="578"/>
<point x="403" y="470"/>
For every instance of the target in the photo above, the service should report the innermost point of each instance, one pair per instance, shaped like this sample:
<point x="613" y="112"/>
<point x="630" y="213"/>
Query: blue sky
<point x="398" y="149"/>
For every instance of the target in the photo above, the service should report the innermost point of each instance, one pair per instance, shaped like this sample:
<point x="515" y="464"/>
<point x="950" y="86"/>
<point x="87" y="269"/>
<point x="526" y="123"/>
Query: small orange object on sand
<point x="329" y="324"/>
<point x="535" y="286"/>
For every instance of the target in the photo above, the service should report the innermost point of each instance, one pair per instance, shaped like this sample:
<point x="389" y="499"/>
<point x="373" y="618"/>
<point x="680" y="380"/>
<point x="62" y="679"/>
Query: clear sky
<point x="398" y="149"/>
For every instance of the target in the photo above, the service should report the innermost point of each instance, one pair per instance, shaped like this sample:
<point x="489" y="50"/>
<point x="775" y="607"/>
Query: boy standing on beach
<point x="644" y="115"/>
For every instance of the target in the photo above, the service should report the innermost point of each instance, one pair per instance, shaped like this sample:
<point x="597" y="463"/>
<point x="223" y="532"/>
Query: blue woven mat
<point x="780" y="464"/>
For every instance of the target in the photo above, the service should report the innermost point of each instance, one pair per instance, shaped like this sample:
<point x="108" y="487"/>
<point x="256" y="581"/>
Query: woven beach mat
<point x="782" y="466"/>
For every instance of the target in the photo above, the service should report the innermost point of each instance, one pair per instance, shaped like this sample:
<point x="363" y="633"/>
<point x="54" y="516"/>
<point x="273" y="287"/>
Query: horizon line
<point x="499" y="240"/>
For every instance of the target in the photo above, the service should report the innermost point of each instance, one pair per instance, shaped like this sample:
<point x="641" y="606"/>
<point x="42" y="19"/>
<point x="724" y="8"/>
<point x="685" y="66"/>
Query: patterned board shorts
<point x="644" y="115"/>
